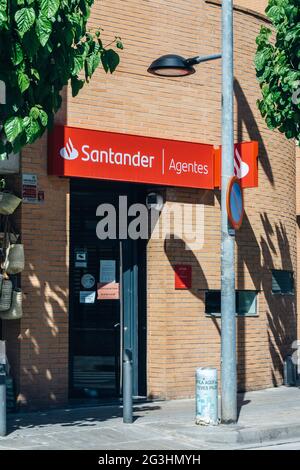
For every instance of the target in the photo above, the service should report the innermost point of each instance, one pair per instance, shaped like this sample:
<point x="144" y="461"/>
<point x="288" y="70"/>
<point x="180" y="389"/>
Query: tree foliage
<point x="277" y="63"/>
<point x="43" y="45"/>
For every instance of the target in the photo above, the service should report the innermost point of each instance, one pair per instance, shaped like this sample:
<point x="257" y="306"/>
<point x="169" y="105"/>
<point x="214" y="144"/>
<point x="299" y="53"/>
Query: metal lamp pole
<point x="228" y="308"/>
<point x="172" y="65"/>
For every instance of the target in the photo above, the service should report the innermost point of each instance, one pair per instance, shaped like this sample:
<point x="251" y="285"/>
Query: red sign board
<point x="245" y="164"/>
<point x="183" y="276"/>
<point x="75" y="152"/>
<point x="121" y="157"/>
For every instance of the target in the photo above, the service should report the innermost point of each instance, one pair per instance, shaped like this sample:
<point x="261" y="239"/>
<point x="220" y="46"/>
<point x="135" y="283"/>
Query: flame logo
<point x="241" y="169"/>
<point x="69" y="152"/>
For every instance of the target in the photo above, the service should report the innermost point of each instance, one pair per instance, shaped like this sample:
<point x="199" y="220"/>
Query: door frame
<point x="133" y="285"/>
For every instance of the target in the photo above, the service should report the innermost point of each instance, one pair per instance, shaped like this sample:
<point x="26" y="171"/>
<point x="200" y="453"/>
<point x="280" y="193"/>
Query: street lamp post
<point x="228" y="308"/>
<point x="176" y="66"/>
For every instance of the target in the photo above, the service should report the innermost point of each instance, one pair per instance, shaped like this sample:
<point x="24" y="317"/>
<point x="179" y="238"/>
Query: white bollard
<point x="207" y="396"/>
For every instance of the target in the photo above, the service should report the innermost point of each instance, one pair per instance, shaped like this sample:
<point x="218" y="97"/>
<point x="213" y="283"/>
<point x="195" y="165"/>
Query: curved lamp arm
<point x="204" y="58"/>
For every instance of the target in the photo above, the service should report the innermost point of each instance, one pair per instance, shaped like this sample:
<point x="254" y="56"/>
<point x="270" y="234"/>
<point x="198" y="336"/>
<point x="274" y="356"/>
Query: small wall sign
<point x="183" y="276"/>
<point x="80" y="259"/>
<point x="88" y="281"/>
<point x="29" y="188"/>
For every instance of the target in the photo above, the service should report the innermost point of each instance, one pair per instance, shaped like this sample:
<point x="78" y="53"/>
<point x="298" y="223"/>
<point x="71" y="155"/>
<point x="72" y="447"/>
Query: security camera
<point x="154" y="201"/>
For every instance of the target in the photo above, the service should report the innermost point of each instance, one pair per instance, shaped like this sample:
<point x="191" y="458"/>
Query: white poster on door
<point x="107" y="270"/>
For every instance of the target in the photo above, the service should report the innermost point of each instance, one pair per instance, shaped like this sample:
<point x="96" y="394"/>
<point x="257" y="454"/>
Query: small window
<point x="213" y="302"/>
<point x="246" y="302"/>
<point x="282" y="282"/>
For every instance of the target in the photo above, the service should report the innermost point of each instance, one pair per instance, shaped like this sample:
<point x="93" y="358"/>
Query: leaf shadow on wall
<point x="281" y="313"/>
<point x="176" y="252"/>
<point x="245" y="116"/>
<point x="278" y="321"/>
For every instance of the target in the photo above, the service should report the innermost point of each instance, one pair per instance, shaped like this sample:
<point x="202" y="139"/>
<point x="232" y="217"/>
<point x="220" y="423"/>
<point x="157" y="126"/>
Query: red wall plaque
<point x="183" y="276"/>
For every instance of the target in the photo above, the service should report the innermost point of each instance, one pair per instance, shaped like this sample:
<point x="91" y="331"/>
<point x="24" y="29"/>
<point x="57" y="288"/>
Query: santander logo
<point x="69" y="152"/>
<point x="241" y="169"/>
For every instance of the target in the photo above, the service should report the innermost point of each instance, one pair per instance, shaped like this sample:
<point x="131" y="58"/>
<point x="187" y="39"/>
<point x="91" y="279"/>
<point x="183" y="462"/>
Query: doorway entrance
<point x="107" y="294"/>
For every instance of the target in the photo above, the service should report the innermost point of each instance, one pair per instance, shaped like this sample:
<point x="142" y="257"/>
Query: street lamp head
<point x="171" y="65"/>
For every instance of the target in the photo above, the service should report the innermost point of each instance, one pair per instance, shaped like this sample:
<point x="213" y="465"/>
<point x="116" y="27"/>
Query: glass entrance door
<point x="97" y="273"/>
<point x="96" y="324"/>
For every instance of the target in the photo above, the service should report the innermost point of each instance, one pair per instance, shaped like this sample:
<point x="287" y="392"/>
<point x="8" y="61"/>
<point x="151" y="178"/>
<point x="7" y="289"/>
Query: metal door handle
<point x="116" y="325"/>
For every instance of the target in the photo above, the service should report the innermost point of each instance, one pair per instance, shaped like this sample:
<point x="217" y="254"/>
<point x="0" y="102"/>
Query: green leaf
<point x="3" y="20"/>
<point x="32" y="128"/>
<point x="23" y="81"/>
<point x="31" y="44"/>
<point x="17" y="54"/>
<point x="112" y="59"/>
<point x="3" y="14"/>
<point x="3" y="5"/>
<point x="35" y="73"/>
<point x="78" y="64"/>
<point x="119" y="43"/>
<point x="24" y="18"/>
<point x="262" y="57"/>
<point x="13" y="127"/>
<point x="76" y="85"/>
<point x="43" y="29"/>
<point x="91" y="63"/>
<point x="49" y="7"/>
<point x="275" y="13"/>
<point x="34" y="112"/>
<point x="43" y="118"/>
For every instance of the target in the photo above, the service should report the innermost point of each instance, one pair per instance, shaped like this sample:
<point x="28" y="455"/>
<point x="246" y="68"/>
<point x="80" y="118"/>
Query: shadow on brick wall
<point x="246" y="117"/>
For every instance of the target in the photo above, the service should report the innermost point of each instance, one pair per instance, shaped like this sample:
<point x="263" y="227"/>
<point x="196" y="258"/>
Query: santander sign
<point x="75" y="152"/>
<point x="121" y="157"/>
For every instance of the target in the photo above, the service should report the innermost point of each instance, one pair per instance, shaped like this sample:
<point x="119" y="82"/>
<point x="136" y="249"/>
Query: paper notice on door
<point x="107" y="271"/>
<point x="110" y="291"/>
<point x="87" y="297"/>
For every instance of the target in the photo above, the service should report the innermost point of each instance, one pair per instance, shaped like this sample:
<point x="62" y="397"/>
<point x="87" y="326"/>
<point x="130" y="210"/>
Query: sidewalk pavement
<point x="265" y="416"/>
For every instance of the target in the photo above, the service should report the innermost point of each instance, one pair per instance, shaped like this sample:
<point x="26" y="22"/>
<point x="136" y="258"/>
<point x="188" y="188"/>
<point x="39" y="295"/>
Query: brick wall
<point x="180" y="336"/>
<point x="38" y="343"/>
<point x="256" y="5"/>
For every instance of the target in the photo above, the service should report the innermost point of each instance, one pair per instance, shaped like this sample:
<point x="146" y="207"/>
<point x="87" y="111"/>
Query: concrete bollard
<point x="127" y="387"/>
<point x="207" y="396"/>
